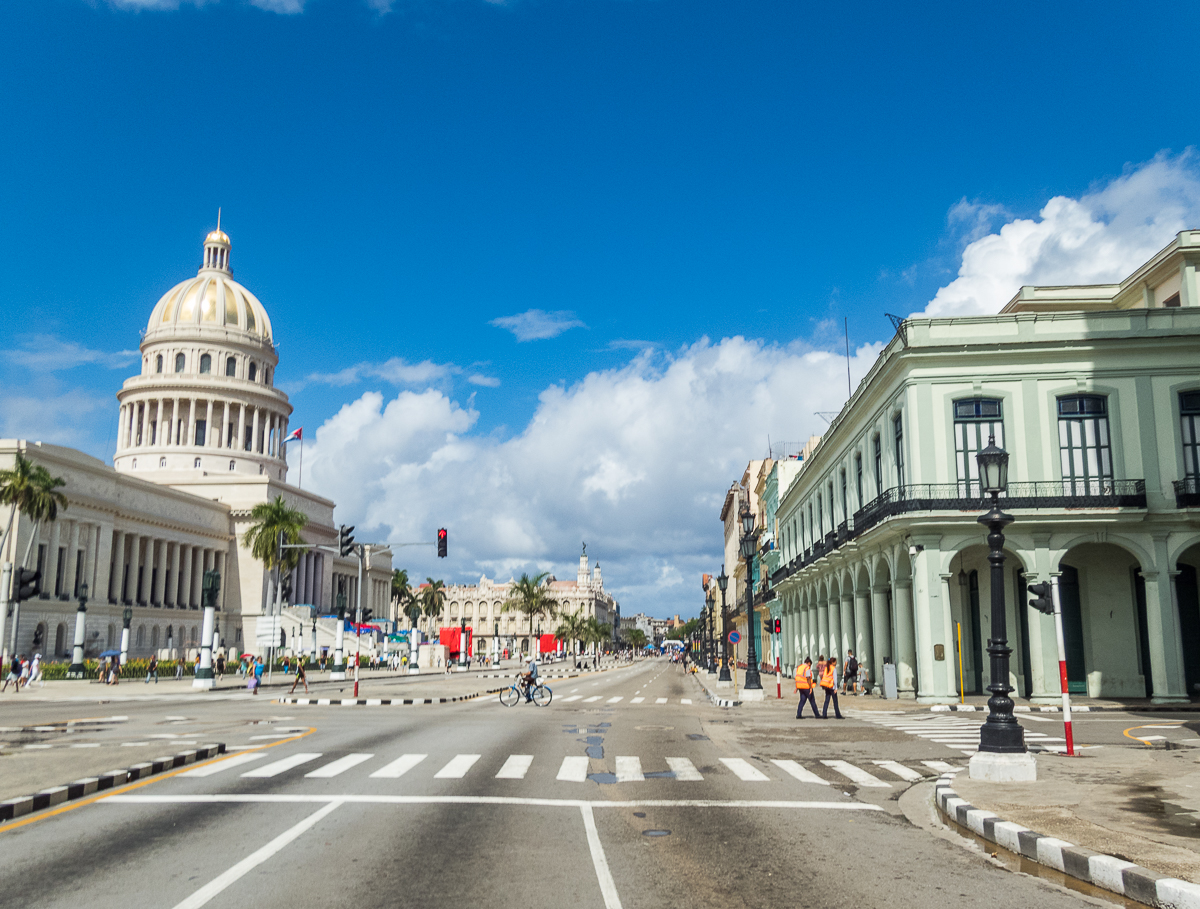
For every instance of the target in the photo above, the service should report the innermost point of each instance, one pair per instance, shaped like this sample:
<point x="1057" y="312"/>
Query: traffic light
<point x="441" y="542"/>
<point x="285" y="589"/>
<point x="346" y="540"/>
<point x="1041" y="598"/>
<point x="28" y="584"/>
<point x="779" y="626"/>
<point x="367" y="615"/>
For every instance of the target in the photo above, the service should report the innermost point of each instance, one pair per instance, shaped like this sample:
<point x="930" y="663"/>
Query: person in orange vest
<point x="804" y="685"/>
<point x="829" y="683"/>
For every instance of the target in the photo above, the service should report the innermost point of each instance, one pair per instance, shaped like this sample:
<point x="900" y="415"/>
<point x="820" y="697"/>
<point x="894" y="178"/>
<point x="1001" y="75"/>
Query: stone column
<point x="72" y="560"/>
<point x="144" y="435"/>
<point x="254" y="433"/>
<point x="117" y="572"/>
<point x="834" y="641"/>
<point x="822" y="625"/>
<point x="319" y="594"/>
<point x="189" y="432"/>
<point x="1162" y="629"/>
<point x="864" y="645"/>
<point x="157" y="595"/>
<point x="847" y="637"/>
<point x="906" y="641"/>
<point x="121" y="429"/>
<point x="51" y="568"/>
<point x="176" y="566"/>
<point x="185" y="576"/>
<point x="197" y="574"/>
<point x="881" y="622"/>
<point x="241" y="428"/>
<point x="135" y="564"/>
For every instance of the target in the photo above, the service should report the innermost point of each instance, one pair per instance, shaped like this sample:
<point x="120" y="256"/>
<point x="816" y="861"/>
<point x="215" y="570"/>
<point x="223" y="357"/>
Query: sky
<point x="551" y="271"/>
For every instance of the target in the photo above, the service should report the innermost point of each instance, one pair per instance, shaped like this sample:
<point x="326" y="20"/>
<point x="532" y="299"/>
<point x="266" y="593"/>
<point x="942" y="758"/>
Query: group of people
<point x="23" y="672"/>
<point x="825" y="675"/>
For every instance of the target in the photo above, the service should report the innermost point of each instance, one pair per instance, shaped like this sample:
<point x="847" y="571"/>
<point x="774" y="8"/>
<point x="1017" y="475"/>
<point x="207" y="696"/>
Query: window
<point x="1084" y="446"/>
<point x="180" y="360"/>
<point x="201" y="432"/>
<point x="1189" y="409"/>
<point x="231" y="366"/>
<point x="266" y="375"/>
<point x="158" y="363"/>
<point x="820" y="518"/>
<point x="845" y="499"/>
<point x="975" y="421"/>
<point x="898" y="432"/>
<point x="205" y="363"/>
<point x="135" y="463"/>
<point x="260" y="470"/>
<point x="878" y="466"/>
<point x="162" y="462"/>
<point x="196" y="463"/>
<point x="858" y="486"/>
<point x="253" y="372"/>
<point x="231" y="464"/>
<point x="1172" y="301"/>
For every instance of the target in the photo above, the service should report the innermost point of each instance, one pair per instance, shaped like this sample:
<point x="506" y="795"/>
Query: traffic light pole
<point x="6" y="574"/>
<point x="358" y="617"/>
<point x="1062" y="665"/>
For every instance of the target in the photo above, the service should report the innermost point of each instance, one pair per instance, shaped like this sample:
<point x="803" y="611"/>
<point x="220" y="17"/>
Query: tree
<point x="596" y="631"/>
<point x="433" y="597"/>
<point x="684" y="631"/>
<point x="42" y="502"/>
<point x="637" y="638"/>
<point x="571" y="628"/>
<point x="406" y="601"/>
<point x="16" y="490"/>
<point x="531" y="597"/>
<point x="272" y="523"/>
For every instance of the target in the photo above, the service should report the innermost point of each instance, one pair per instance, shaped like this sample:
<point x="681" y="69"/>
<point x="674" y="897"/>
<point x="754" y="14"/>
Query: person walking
<point x="114" y="672"/>
<point x="35" y="671"/>
<point x="220" y="666"/>
<point x="829" y="684"/>
<point x="179" y="668"/>
<point x="850" y="674"/>
<point x="14" y="675"/>
<point x="152" y="669"/>
<point x="804" y="685"/>
<point x="259" y="666"/>
<point x="301" y="676"/>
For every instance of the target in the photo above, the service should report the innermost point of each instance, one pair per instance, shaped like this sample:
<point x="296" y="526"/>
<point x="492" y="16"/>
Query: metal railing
<point x="968" y="497"/>
<point x="1187" y="492"/>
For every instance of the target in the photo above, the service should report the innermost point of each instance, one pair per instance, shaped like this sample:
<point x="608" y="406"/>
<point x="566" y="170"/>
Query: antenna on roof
<point x="898" y="324"/>
<point x="827" y="415"/>
<point x="849" y="387"/>
<point x="218" y="217"/>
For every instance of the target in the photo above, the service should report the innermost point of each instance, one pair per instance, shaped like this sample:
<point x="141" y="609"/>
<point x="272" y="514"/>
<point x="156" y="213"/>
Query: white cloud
<point x="286" y="7"/>
<point x="1098" y="238"/>
<point x="49" y="353"/>
<point x="485" y="381"/>
<point x="635" y="460"/>
<point x="397" y="371"/>
<point x="537" y="324"/>
<point x="56" y="418"/>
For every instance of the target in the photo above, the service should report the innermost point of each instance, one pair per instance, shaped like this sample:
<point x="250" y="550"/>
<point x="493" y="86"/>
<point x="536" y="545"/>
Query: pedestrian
<point x="321" y="662"/>
<point x="24" y="672"/>
<point x="152" y="669"/>
<point x="35" y="671"/>
<point x="102" y="672"/>
<point x="301" y="676"/>
<point x="14" y="675"/>
<point x="829" y="684"/>
<point x="850" y="674"/>
<point x="179" y="668"/>
<point x="258" y="674"/>
<point x="114" y="672"/>
<point x="804" y="685"/>
<point x="220" y="666"/>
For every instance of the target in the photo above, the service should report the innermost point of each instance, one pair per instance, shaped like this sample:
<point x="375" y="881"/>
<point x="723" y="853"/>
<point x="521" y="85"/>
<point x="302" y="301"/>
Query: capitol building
<point x="200" y="443"/>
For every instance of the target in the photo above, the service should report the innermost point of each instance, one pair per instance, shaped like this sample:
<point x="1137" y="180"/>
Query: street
<point x="629" y="790"/>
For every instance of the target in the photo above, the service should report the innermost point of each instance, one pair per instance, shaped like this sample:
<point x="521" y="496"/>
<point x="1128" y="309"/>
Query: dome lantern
<point x="216" y="249"/>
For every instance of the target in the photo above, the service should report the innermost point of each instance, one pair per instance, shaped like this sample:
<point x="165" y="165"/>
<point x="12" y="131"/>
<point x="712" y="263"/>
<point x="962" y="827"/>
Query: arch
<point x="60" y="640"/>
<point x="196" y="463"/>
<point x="205" y="363"/>
<point x="162" y="462"/>
<point x="1186" y="580"/>
<point x="180" y="362"/>
<point x="141" y="637"/>
<point x="158" y="363"/>
<point x="252" y="372"/>
<point x="232" y="464"/>
<point x="112" y="632"/>
<point x="154" y="638"/>
<point x="195" y="636"/>
<point x="231" y="366"/>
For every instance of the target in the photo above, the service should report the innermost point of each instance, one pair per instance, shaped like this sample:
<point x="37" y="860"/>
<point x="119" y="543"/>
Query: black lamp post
<point x="749" y="546"/>
<point x="462" y="641"/>
<point x="1001" y="734"/>
<point x="75" y="670"/>
<point x="708" y="637"/>
<point x="723" y="583"/>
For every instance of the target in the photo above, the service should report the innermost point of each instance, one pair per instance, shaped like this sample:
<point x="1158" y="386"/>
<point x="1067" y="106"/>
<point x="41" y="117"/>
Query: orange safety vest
<point x="804" y="681"/>
<point x="827" y="676"/>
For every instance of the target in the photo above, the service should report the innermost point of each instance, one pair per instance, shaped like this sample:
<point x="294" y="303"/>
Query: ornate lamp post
<point x="462" y="642"/>
<point x="209" y="589"/>
<point x="1002" y="755"/>
<point x="705" y="636"/>
<point x="749" y="547"/>
<point x="725" y="677"/>
<point x="75" y="670"/>
<point x="126" y="618"/>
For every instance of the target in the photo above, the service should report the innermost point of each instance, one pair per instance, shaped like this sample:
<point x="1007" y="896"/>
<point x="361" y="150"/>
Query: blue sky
<point x="673" y="202"/>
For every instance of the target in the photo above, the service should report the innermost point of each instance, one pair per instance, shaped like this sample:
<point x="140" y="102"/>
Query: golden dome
<point x="217" y="236"/>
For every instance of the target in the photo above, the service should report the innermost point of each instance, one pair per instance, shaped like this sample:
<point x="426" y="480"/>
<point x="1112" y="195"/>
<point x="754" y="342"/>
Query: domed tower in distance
<point x="205" y="402"/>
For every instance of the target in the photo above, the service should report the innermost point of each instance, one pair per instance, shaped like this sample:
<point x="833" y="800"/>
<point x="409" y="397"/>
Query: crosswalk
<point x="875" y="774"/>
<point x="616" y="699"/>
<point x="959" y="733"/>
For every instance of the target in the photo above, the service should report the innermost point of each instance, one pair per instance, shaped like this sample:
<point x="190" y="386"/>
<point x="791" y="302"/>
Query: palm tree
<point x="596" y="631"/>
<point x="531" y="597"/>
<point x="42" y="502"/>
<point x="16" y="487"/>
<point x="637" y="638"/>
<point x="406" y="602"/>
<point x="570" y="629"/>
<point x="433" y="597"/>
<point x="275" y="523"/>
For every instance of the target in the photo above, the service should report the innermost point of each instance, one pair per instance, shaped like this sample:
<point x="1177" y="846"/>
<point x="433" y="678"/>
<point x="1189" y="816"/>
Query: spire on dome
<point x="216" y="249"/>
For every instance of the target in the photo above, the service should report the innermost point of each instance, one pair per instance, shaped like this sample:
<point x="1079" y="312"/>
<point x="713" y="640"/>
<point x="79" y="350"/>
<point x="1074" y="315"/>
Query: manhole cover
<point x="656" y="833"/>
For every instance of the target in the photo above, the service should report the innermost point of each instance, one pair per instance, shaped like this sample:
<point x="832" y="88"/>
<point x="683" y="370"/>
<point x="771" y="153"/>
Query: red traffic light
<point x="441" y="542"/>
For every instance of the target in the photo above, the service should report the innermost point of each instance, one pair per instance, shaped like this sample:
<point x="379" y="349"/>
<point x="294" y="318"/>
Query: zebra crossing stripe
<point x="574" y="769"/>
<point x="856" y="774"/>
<point x="457" y="768"/>
<point x="592" y="699"/>
<point x="660" y="700"/>
<point x="910" y="776"/>
<point x="228" y="764"/>
<point x="574" y="697"/>
<point x="793" y="769"/>
<point x="398" y="767"/>
<point x="277" y="767"/>
<point x="685" y="700"/>
<point x="341" y="765"/>
<point x="515" y="767"/>
<point x="743" y="770"/>
<point x="615" y="700"/>
<point x="683" y="769"/>
<point x="637" y="700"/>
<point x="940" y="766"/>
<point x="629" y="770"/>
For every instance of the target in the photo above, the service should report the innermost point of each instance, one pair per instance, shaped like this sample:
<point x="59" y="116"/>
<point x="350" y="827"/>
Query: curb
<point x="717" y="701"/>
<point x="11" y="809"/>
<point x="379" y="702"/>
<point x="1105" y="871"/>
<point x="1086" y="708"/>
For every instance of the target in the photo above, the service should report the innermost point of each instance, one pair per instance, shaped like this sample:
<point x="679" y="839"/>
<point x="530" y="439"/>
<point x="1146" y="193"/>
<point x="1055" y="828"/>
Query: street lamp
<point x="749" y="546"/>
<point x="1002" y="755"/>
<point x="75" y="670"/>
<point x="462" y="641"/>
<point x="723" y="583"/>
<point x="126" y="618"/>
<point x="209" y="589"/>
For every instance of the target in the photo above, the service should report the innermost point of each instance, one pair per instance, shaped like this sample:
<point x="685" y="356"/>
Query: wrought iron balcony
<point x="1187" y="492"/>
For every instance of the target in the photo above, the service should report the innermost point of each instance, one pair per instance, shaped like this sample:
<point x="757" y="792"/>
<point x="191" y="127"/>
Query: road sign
<point x="734" y="637"/>
<point x="266" y="630"/>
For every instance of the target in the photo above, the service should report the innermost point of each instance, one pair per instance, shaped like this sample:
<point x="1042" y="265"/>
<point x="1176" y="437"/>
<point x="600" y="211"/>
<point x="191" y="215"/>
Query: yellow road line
<point x="1145" y="726"/>
<point x="129" y="787"/>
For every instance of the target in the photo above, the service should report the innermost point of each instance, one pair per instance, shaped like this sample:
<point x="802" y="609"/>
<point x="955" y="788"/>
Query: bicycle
<point x="512" y="695"/>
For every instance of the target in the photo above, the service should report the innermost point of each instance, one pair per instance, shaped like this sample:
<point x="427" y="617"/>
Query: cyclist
<point x="529" y="679"/>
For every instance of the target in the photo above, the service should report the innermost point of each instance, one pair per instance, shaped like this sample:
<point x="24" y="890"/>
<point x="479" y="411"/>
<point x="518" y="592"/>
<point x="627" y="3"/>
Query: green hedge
<point x="133" y="669"/>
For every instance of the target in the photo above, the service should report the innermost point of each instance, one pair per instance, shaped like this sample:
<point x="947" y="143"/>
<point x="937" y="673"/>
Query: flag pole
<point x="300" y="485"/>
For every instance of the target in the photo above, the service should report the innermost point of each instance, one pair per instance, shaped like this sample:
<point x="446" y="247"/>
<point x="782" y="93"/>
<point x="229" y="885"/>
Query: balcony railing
<point x="1187" y="493"/>
<point x="968" y="497"/>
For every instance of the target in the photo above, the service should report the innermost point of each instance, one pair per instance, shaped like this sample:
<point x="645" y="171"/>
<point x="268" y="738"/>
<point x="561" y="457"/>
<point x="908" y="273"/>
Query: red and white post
<point x="1062" y="665"/>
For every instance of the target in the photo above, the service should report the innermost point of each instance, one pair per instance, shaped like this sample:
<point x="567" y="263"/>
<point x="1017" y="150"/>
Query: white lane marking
<point x="629" y="770"/>
<point x="744" y="771"/>
<point x="614" y="700"/>
<point x="252" y="861"/>
<point x="940" y="766"/>
<point x="574" y="769"/>
<point x="341" y="765"/>
<point x="856" y="774"/>
<point x="398" y="767"/>
<point x="515" y="767"/>
<point x="575" y="697"/>
<point x="608" y="889"/>
<point x="278" y="735"/>
<point x="277" y="767"/>
<point x="228" y="764"/>
<point x="684" y="769"/>
<point x="685" y="700"/>
<point x="594" y="697"/>
<point x="457" y="768"/>
<point x="637" y="700"/>
<point x="297" y="798"/>
<point x="905" y="773"/>
<point x="660" y="700"/>
<point x="800" y="773"/>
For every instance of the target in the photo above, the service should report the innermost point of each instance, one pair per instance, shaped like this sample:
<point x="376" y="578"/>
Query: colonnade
<point x="188" y="422"/>
<point x="151" y="571"/>
<point x="308" y="580"/>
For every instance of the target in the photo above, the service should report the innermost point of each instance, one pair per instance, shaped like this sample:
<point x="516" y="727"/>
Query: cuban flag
<point x="297" y="433"/>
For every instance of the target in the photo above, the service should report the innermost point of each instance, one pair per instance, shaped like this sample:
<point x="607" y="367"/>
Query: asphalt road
<point x="635" y="793"/>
